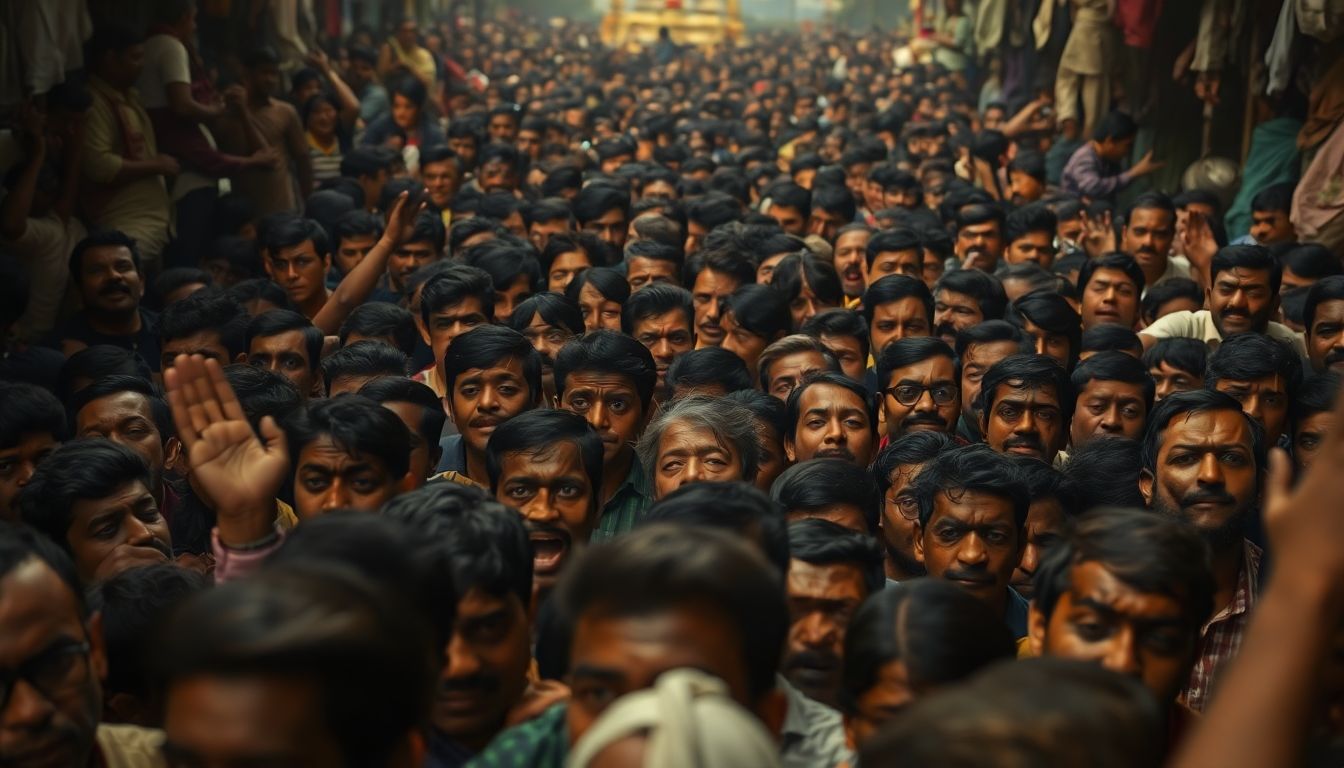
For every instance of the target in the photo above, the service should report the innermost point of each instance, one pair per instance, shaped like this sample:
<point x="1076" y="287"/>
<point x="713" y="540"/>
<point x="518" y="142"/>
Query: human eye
<point x="1234" y="458"/>
<point x="468" y="390"/>
<point x="578" y="403"/>
<point x="672" y="465"/>
<point x="520" y="492"/>
<point x="555" y="337"/>
<point x="1008" y="411"/>
<point x="855" y="423"/>
<point x="1130" y="412"/>
<point x="508" y="390"/>
<point x="365" y="484"/>
<point x="593" y="697"/>
<point x="948" y="535"/>
<point x="1308" y="442"/>
<point x="108" y="529"/>
<point x="620" y="405"/>
<point x="314" y="483"/>
<point x="1182" y="459"/>
<point x="1046" y="414"/>
<point x="996" y="537"/>
<point x="886" y="325"/>
<point x="1091" y="630"/>
<point x="570" y="491"/>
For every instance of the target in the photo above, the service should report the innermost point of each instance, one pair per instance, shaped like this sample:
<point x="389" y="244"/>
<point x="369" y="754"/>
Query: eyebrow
<point x="1108" y="610"/>
<point x="1203" y="448"/>
<point x="601" y="673"/>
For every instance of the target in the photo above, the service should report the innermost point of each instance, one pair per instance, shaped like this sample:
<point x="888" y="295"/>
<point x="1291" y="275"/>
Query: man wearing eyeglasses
<point x="918" y="380"/>
<point x="51" y="663"/>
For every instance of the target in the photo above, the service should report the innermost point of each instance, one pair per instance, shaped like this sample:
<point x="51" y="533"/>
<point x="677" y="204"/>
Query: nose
<point x="26" y="470"/>
<point x="1029" y="559"/>
<point x="662" y="350"/>
<point x="1040" y="345"/>
<point x="1026" y="423"/>
<point x="835" y="433"/>
<point x="1110" y="419"/>
<point x="1109" y="297"/>
<point x="28" y="709"/>
<point x="695" y="471"/>
<point x="1238" y="299"/>
<point x="136" y="530"/>
<point x="336" y="497"/>
<point x="817" y="631"/>
<point x="925" y="402"/>
<point x="489" y="400"/>
<point x="1210" y="471"/>
<point x="540" y="509"/>
<point x="1122" y="654"/>
<point x="598" y="417"/>
<point x="1253" y="408"/>
<point x="972" y="551"/>
<point x="461" y="661"/>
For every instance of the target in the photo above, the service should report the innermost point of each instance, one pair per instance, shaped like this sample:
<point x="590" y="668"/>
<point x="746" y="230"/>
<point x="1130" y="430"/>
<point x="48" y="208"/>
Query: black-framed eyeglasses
<point x="906" y="504"/>
<point x="51" y="672"/>
<point x="909" y="394"/>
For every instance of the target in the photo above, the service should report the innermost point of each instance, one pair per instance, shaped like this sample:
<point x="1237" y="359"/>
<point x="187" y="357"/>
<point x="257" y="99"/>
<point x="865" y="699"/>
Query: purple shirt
<point x="1087" y="175"/>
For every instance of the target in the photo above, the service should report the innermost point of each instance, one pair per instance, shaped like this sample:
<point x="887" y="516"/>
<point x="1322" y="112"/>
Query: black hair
<point x="394" y="389"/>
<point x="1169" y="289"/>
<point x="535" y="433"/>
<point x="767" y="410"/>
<point x="1253" y="356"/>
<point x="910" y="448"/>
<point x="356" y="224"/>
<point x="595" y="200"/>
<point x="1189" y="355"/>
<point x="278" y="321"/>
<point x="133" y="605"/>
<point x="605" y="351"/>
<point x="1104" y="473"/>
<point x="793" y="405"/>
<point x="357" y="425"/>
<point x="598" y="252"/>
<point x="709" y="366"/>
<point x="738" y="507"/>
<point x="1029" y="162"/>
<point x="892" y="241"/>
<point x="822" y="542"/>
<point x="258" y="289"/>
<point x="1256" y="257"/>
<point x="609" y="283"/>
<point x="1275" y="197"/>
<point x="796" y="268"/>
<point x="117" y="384"/>
<point x="380" y="319"/>
<point x="941" y="633"/>
<point x="903" y="352"/>
<point x="1054" y="314"/>
<point x="1110" y="338"/>
<point x="78" y="470"/>
<point x="713" y="210"/>
<point x="208" y="309"/>
<point x="506" y="264"/>
<point x="292" y="231"/>
<point x="262" y="392"/>
<point x="893" y="288"/>
<point x="29" y="409"/>
<point x="835" y="199"/>
<point x="554" y="308"/>
<point x="991" y="331"/>
<point x="984" y="288"/>
<point x="1032" y="371"/>
<point x="790" y="195"/>
<point x="170" y="280"/>
<point x="654" y="299"/>
<point x="107" y="238"/>
<point x="761" y="310"/>
<point x="971" y="468"/>
<point x="464" y="229"/>
<point x="1116" y="126"/>
<point x="1114" y="366"/>
<point x="1121" y="262"/>
<point x="1310" y="260"/>
<point x="1316" y="394"/>
<point x="838" y="322"/>
<point x="546" y="209"/>
<point x="20" y="544"/>
<point x="1195" y="401"/>
<point x="319" y="623"/>
<point x="454" y="284"/>
<point x="488" y="345"/>
<point x="1324" y="290"/>
<point x="819" y="483"/>
<point x="368" y="358"/>
<point x="1148" y="552"/>
<point x="1035" y="217"/>
<point x="109" y="37"/>
<point x="653" y="249"/>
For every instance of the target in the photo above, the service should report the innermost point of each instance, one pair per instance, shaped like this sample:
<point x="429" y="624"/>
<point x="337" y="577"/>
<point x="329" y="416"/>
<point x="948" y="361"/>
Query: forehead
<point x="791" y="364"/>
<point x="35" y="606"/>
<point x="1021" y="391"/>
<point x="128" y="493"/>
<point x="1109" y="275"/>
<point x="1243" y="275"/>
<point x="102" y="254"/>
<point x="283" y="340"/>
<point x="902" y="308"/>
<point x="504" y="367"/>
<point x="829" y="396"/>
<point x="1091" y="579"/>
<point x="1223" y="426"/>
<point x="658" y="639"/>
<point x="984" y="351"/>
<point x="117" y="405"/>
<point x="1112" y="387"/>
<point x="1150" y="217"/>
<point x="324" y="451"/>
<point x="680" y="433"/>
<point x="468" y="305"/>
<point x="615" y="383"/>
<point x="972" y="506"/>
<point x="674" y="317"/>
<point x="955" y="298"/>
<point x="936" y="365"/>
<point x="834" y="580"/>
<point x="1271" y="383"/>
<point x="305" y="248"/>
<point x="549" y="460"/>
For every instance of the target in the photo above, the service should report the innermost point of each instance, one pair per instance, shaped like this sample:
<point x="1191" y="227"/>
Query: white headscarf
<point x="689" y="722"/>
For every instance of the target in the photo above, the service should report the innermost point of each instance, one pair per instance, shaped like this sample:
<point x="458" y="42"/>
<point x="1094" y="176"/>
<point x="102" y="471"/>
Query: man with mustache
<point x="547" y="320"/>
<point x="1243" y="295"/>
<point x="492" y="374"/>
<point x="971" y="532"/>
<point x="964" y="298"/>
<point x="50" y="714"/>
<point x="832" y="570"/>
<point x="978" y="349"/>
<point x="917" y="378"/>
<point x="1025" y="405"/>
<point x="896" y="468"/>
<point x="1115" y="394"/>
<point x="105" y="268"/>
<point x="1203" y="459"/>
<point x="979" y="236"/>
<point x="608" y="379"/>
<point x="1260" y="373"/>
<point x="830" y="416"/>
<point x="1111" y="286"/>
<point x="548" y="465"/>
<point x="1150" y="228"/>
<point x="93" y="498"/>
<point x="1030" y="234"/>
<point x="1323" y="316"/>
<point x="713" y="276"/>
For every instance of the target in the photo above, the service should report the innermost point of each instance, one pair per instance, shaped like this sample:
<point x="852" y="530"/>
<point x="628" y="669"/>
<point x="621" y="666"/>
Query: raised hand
<point x="401" y="221"/>
<point x="1098" y="235"/>
<point x="237" y="472"/>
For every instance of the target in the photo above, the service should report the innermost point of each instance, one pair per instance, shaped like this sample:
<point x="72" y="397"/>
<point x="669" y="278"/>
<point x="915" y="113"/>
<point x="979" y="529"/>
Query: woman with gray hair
<point x="699" y="439"/>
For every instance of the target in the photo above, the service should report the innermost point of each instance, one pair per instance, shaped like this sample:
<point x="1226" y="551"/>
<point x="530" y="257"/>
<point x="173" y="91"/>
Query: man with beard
<point x="548" y="465"/>
<point x="92" y="497"/>
<point x="964" y="298"/>
<point x="1323" y="316"/>
<point x="54" y="645"/>
<point x="830" y="416"/>
<point x="1243" y="296"/>
<point x="1150" y="228"/>
<point x="1025" y="405"/>
<point x="712" y="277"/>
<point x="492" y="374"/>
<point x="896" y="468"/>
<point x="918" y="383"/>
<point x="1203" y="460"/>
<point x="979" y="236"/>
<point x="971" y="532"/>
<point x="978" y="349"/>
<point x="547" y="320"/>
<point x="609" y="379"/>
<point x="105" y="268"/>
<point x="831" y="571"/>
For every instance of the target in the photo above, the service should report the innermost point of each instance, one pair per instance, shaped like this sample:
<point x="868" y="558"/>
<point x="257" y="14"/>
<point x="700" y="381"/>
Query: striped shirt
<point x="1221" y="637"/>
<point x="326" y="160"/>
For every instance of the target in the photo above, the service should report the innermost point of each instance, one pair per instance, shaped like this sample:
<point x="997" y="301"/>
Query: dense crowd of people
<point x="487" y="396"/>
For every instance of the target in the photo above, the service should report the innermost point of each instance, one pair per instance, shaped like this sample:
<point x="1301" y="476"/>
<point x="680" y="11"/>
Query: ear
<point x="790" y="450"/>
<point x="172" y="454"/>
<point x="1146" y="486"/>
<point x="1036" y="623"/>
<point x="448" y="409"/>
<point x="919" y="542"/>
<point x="241" y="357"/>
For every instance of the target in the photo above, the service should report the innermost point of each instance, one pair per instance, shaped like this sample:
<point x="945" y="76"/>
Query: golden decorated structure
<point x="690" y="22"/>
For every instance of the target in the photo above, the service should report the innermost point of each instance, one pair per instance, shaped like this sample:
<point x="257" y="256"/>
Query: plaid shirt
<point x="1221" y="637"/>
<point x="627" y="506"/>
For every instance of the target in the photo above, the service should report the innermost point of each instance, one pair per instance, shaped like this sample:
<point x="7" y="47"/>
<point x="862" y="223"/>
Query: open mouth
<point x="549" y="548"/>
